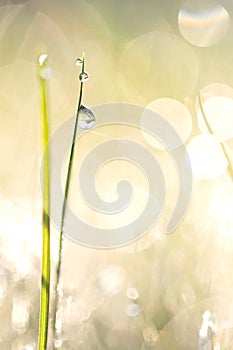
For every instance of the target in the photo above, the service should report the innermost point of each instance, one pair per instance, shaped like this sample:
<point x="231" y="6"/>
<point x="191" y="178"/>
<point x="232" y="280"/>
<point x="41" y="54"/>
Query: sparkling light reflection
<point x="132" y="294"/>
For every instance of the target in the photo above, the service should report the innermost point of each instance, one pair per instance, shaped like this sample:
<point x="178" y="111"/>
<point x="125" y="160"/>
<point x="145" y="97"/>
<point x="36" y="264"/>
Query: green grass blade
<point x="66" y="194"/>
<point x="45" y="275"/>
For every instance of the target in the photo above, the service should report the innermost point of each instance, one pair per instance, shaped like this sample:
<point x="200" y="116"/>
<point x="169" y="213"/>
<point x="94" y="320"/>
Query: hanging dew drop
<point x="42" y="58"/>
<point x="86" y="118"/>
<point x="83" y="77"/>
<point x="132" y="294"/>
<point x="79" y="61"/>
<point x="46" y="73"/>
<point x="133" y="310"/>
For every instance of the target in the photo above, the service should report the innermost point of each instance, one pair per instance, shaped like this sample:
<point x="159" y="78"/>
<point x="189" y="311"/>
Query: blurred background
<point x="161" y="292"/>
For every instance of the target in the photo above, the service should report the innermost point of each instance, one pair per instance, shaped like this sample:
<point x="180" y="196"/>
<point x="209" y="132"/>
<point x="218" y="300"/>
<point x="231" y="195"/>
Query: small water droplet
<point x="86" y="118"/>
<point x="46" y="73"/>
<point x="133" y="310"/>
<point x="83" y="77"/>
<point x="42" y="58"/>
<point x="79" y="61"/>
<point x="132" y="294"/>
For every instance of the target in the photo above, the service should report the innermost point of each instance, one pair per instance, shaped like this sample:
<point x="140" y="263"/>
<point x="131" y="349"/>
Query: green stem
<point x="67" y="185"/>
<point x="223" y="145"/>
<point x="45" y="275"/>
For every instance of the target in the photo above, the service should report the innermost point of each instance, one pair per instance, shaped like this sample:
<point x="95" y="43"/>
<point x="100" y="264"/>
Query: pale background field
<point x="135" y="53"/>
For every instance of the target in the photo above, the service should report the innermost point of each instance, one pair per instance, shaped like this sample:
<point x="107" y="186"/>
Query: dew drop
<point x="43" y="58"/>
<point x="133" y="310"/>
<point x="46" y="73"/>
<point x="86" y="118"/>
<point x="132" y="294"/>
<point x="79" y="61"/>
<point x="83" y="77"/>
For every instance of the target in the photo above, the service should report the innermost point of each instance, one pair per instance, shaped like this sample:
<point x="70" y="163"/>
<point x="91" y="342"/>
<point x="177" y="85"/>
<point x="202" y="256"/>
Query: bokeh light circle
<point x="213" y="90"/>
<point x="176" y="114"/>
<point x="207" y="158"/>
<point x="157" y="64"/>
<point x="203" y="23"/>
<point x="217" y="101"/>
<point x="219" y="112"/>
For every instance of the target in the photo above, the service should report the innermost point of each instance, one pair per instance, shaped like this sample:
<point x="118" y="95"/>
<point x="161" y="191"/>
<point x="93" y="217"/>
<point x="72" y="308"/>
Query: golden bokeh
<point x="161" y="291"/>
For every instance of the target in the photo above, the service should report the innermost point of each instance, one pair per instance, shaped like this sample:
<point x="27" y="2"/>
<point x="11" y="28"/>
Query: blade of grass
<point x="223" y="145"/>
<point x="45" y="275"/>
<point x="64" y="205"/>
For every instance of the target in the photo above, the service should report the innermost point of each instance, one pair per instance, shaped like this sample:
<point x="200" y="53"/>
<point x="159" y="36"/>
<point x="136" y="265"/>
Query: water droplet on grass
<point x="46" y="73"/>
<point x="132" y="294"/>
<point x="83" y="77"/>
<point x="42" y="58"/>
<point x="79" y="61"/>
<point x="133" y="310"/>
<point x="86" y="118"/>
